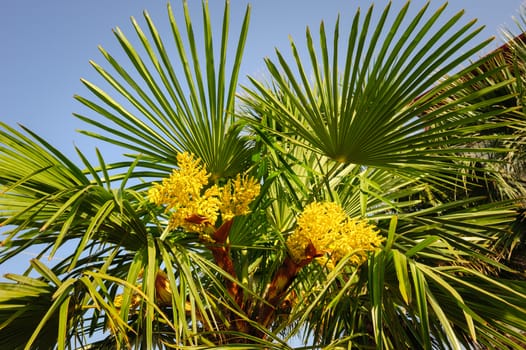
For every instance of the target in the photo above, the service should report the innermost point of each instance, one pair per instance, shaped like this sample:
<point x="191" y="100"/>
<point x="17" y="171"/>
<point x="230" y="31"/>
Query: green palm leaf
<point x="384" y="108"/>
<point x="169" y="107"/>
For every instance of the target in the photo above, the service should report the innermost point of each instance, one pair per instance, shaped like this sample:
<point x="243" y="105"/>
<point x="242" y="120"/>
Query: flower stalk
<point x="196" y="206"/>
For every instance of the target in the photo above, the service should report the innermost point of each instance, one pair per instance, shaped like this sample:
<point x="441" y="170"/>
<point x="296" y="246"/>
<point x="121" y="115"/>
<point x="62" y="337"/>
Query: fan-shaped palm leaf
<point x="173" y="106"/>
<point x="388" y="105"/>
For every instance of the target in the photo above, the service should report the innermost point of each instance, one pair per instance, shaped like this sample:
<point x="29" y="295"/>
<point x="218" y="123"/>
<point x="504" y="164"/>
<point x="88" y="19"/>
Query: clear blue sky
<point x="46" y="45"/>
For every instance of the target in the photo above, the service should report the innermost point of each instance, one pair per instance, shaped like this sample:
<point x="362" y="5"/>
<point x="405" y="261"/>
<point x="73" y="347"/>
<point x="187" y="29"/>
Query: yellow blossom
<point x="193" y="207"/>
<point x="326" y="226"/>
<point x="205" y="207"/>
<point x="183" y="186"/>
<point x="182" y="195"/>
<point x="237" y="195"/>
<point x="134" y="303"/>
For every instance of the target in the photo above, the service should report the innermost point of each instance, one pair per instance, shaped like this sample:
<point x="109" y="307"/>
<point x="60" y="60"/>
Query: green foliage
<point x="375" y="122"/>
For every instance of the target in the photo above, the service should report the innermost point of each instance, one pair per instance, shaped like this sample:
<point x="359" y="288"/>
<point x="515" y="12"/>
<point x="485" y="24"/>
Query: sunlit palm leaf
<point x="376" y="111"/>
<point x="173" y="106"/>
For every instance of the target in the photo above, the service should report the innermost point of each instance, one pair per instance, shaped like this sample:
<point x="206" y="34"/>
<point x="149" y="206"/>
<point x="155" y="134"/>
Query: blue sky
<point x="46" y="46"/>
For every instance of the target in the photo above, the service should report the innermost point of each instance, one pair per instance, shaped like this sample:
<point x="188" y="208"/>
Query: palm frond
<point x="383" y="109"/>
<point x="167" y="106"/>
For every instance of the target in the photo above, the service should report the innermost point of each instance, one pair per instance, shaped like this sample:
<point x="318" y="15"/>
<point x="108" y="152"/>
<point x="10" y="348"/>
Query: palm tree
<point x="332" y="201"/>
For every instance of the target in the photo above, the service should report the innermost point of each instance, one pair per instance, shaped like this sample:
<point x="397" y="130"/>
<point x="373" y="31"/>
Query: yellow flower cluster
<point x="236" y="196"/>
<point x="329" y="230"/>
<point x="134" y="303"/>
<point x="185" y="196"/>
